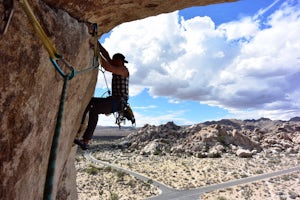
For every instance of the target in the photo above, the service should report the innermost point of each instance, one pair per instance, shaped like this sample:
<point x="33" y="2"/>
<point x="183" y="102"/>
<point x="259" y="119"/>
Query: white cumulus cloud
<point x="250" y="67"/>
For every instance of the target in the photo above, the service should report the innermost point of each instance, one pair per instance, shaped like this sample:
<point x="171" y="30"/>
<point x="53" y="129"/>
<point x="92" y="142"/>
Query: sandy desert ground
<point x="100" y="182"/>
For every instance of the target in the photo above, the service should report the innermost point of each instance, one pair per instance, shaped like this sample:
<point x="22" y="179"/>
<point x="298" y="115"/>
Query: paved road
<point x="164" y="188"/>
<point x="168" y="193"/>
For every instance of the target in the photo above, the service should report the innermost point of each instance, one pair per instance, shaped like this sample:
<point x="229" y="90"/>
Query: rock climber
<point x="111" y="104"/>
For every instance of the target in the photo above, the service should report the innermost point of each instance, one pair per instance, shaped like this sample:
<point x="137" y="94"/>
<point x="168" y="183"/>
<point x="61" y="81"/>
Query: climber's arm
<point x="104" y="52"/>
<point x="108" y="66"/>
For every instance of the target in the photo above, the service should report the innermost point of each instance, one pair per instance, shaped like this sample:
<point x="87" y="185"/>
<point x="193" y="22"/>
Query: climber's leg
<point x="96" y="106"/>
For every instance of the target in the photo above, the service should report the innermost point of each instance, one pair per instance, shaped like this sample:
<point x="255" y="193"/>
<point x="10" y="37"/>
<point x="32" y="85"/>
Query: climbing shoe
<point x="83" y="145"/>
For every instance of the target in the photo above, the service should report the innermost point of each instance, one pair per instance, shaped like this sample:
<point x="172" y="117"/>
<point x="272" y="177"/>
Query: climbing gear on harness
<point x="8" y="6"/>
<point x="54" y="57"/>
<point x="128" y="114"/>
<point x="125" y="113"/>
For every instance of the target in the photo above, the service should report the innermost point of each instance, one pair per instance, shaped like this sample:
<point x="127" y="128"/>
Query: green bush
<point x="108" y="169"/>
<point x="150" y="181"/>
<point x="114" y="196"/>
<point x="92" y="170"/>
<point x="222" y="140"/>
<point x="120" y="175"/>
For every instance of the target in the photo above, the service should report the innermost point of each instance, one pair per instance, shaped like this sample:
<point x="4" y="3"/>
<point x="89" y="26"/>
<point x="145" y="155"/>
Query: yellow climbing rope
<point x="54" y="56"/>
<point x="39" y="30"/>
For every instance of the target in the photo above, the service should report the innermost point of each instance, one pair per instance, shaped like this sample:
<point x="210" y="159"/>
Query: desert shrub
<point x="247" y="192"/>
<point x="120" y="175"/>
<point x="132" y="183"/>
<point x="92" y="170"/>
<point x="286" y="177"/>
<point x="108" y="169"/>
<point x="201" y="155"/>
<point x="222" y="140"/>
<point x="214" y="155"/>
<point x="157" y="152"/>
<point x="129" y="165"/>
<point x="114" y="196"/>
<point x="274" y="161"/>
<point x="150" y="181"/>
<point x="244" y="175"/>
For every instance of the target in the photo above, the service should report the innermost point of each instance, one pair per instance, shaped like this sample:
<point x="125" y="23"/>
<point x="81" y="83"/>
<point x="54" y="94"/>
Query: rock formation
<point x="212" y="139"/>
<point x="31" y="87"/>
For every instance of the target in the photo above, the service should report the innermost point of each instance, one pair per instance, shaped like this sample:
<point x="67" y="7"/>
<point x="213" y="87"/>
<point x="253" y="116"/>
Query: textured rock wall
<point x="31" y="87"/>
<point x="30" y="95"/>
<point x="110" y="13"/>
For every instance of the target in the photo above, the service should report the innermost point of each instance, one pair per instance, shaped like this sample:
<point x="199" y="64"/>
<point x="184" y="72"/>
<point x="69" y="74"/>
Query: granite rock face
<point x="110" y="13"/>
<point x="31" y="87"/>
<point x="30" y="96"/>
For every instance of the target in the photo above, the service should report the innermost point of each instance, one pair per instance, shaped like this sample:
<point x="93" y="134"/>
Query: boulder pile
<point x="243" y="138"/>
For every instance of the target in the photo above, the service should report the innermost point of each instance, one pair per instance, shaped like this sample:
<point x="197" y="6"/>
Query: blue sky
<point x="235" y="60"/>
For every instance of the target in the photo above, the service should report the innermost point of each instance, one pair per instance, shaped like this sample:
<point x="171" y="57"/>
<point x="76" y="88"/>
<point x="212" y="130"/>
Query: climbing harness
<point x="54" y="57"/>
<point x="125" y="113"/>
<point x="8" y="7"/>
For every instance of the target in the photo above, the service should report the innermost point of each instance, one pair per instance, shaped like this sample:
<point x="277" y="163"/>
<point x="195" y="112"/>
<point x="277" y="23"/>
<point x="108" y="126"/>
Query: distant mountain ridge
<point x="295" y="119"/>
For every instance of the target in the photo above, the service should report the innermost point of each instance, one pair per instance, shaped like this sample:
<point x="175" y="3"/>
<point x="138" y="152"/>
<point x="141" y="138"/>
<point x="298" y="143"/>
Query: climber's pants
<point x="100" y="106"/>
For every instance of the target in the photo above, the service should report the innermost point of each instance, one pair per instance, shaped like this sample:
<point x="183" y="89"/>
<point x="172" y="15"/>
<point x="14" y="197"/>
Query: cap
<point x="120" y="56"/>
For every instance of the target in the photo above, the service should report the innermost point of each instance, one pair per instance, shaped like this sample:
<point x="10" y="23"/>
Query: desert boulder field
<point x="190" y="157"/>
